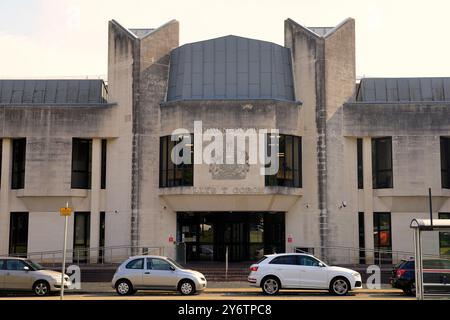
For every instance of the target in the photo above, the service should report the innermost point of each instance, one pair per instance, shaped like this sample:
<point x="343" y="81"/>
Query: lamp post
<point x="65" y="212"/>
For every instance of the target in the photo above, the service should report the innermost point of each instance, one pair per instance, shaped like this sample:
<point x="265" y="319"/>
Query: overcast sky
<point x="56" y="38"/>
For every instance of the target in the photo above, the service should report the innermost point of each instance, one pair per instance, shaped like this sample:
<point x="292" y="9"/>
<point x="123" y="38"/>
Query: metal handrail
<point x="352" y="255"/>
<point x="102" y="255"/>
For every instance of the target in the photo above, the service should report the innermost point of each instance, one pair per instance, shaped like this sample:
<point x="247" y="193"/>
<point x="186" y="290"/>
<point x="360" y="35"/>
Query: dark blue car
<point x="436" y="276"/>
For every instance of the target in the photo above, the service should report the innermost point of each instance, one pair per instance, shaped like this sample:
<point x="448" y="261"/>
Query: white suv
<point x="301" y="271"/>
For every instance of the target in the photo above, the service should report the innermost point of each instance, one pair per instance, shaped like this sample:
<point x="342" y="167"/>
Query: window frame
<point x="375" y="166"/>
<point x="280" y="179"/>
<point x="170" y="174"/>
<point x="360" y="162"/>
<point x="18" y="166"/>
<point x="75" y="184"/>
<point x="445" y="162"/>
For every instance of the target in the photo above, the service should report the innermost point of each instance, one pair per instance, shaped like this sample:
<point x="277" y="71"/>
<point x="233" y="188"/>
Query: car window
<point x="286" y="260"/>
<point x="158" y="264"/>
<point x="136" y="264"/>
<point x="15" y="265"/>
<point x="2" y="264"/>
<point x="308" y="261"/>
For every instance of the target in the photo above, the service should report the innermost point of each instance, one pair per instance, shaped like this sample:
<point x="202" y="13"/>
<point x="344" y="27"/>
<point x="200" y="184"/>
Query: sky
<point x="68" y="38"/>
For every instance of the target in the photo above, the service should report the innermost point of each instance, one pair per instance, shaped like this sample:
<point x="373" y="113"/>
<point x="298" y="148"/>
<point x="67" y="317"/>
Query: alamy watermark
<point x="228" y="147"/>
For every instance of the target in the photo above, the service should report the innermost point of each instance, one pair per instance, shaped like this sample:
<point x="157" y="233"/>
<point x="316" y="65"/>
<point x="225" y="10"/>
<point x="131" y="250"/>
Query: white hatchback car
<point x="156" y="273"/>
<point x="301" y="271"/>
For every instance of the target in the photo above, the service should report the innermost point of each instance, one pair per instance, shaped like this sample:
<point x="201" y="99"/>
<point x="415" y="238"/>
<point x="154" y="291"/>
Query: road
<point x="226" y="294"/>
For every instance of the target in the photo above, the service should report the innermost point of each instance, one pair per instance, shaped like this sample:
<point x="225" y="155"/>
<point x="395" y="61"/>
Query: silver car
<point x="156" y="273"/>
<point x="18" y="274"/>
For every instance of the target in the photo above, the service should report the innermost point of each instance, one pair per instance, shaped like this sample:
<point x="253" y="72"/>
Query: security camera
<point x="344" y="204"/>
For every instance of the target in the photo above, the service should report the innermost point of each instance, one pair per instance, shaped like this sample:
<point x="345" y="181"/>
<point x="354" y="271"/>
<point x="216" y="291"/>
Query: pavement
<point x="215" y="291"/>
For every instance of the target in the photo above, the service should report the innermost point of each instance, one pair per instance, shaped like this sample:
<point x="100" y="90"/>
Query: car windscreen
<point x="35" y="266"/>
<point x="176" y="264"/>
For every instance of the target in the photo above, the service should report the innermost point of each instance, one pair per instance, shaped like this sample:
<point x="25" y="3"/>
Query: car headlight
<point x="356" y="274"/>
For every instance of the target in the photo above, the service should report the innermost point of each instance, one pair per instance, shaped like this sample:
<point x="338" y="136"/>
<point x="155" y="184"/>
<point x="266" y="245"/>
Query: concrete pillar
<point x="368" y="197"/>
<point x="95" y="198"/>
<point x="4" y="196"/>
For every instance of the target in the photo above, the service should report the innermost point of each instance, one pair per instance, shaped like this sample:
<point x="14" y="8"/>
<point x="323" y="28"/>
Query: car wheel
<point x="339" y="286"/>
<point x="186" y="287"/>
<point x="412" y="289"/>
<point x="41" y="288"/>
<point x="270" y="286"/>
<point x="124" y="288"/>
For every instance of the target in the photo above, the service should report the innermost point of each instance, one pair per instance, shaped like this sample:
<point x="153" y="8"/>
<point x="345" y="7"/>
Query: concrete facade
<point x="324" y="112"/>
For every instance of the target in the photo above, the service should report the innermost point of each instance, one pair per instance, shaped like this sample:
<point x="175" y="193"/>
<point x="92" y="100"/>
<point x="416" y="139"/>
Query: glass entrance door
<point x="247" y="235"/>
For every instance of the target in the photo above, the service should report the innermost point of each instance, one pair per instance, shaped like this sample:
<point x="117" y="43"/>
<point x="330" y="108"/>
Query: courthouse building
<point x="356" y="159"/>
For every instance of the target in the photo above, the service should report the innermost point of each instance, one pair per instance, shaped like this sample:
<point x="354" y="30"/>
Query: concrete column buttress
<point x="95" y="198"/>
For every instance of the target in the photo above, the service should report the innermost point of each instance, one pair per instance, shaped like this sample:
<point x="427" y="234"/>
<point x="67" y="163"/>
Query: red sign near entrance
<point x="290" y="239"/>
<point x="170" y="238"/>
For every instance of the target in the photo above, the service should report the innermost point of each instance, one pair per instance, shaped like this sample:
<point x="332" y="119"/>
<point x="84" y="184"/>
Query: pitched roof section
<point x="230" y="68"/>
<point x="391" y="90"/>
<point x="52" y="92"/>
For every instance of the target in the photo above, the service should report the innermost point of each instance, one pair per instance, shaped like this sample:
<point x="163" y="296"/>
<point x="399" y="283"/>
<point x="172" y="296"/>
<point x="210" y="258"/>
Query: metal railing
<point x="100" y="255"/>
<point x="360" y="256"/>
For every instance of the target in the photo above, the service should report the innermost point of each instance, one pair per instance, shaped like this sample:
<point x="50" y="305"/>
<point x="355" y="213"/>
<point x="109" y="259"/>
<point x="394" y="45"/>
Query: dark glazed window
<point x="170" y="174"/>
<point x="445" y="162"/>
<point x="81" y="163"/>
<point x="18" y="163"/>
<point x="444" y="237"/>
<point x="362" y="238"/>
<point x="103" y="165"/>
<point x="18" y="233"/>
<point x="382" y="163"/>
<point x="382" y="237"/>
<point x="359" y="145"/>
<point x="289" y="162"/>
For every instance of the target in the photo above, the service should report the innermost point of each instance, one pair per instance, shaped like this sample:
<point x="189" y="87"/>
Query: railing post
<point x="226" y="263"/>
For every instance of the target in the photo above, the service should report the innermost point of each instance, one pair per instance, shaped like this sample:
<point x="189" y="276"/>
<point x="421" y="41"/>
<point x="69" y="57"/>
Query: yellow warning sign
<point x="65" y="212"/>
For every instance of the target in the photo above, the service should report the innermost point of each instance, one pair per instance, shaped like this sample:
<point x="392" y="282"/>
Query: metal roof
<point x="52" y="91"/>
<point x="389" y="90"/>
<point x="141" y="33"/>
<point x="232" y="68"/>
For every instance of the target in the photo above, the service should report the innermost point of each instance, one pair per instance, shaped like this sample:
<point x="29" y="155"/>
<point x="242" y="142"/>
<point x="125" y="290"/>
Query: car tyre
<point x="270" y="286"/>
<point x="41" y="288"/>
<point x="124" y="288"/>
<point x="411" y="290"/>
<point x="186" y="287"/>
<point x="339" y="286"/>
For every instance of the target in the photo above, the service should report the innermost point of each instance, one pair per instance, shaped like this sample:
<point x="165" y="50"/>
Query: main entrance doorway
<point x="247" y="235"/>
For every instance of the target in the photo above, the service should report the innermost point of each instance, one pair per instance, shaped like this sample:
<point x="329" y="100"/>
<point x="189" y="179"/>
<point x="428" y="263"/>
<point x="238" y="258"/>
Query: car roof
<point x="273" y="255"/>
<point x="147" y="256"/>
<point x="9" y="258"/>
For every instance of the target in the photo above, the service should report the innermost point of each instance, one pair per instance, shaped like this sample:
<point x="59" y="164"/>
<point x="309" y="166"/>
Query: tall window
<point x="171" y="174"/>
<point x="444" y="237"/>
<point x="445" y="162"/>
<point x="18" y="163"/>
<point x="1" y="153"/>
<point x="289" y="162"/>
<point x="81" y="163"/>
<point x="382" y="237"/>
<point x="362" y="238"/>
<point x="359" y="147"/>
<point x="382" y="163"/>
<point x="103" y="165"/>
<point x="18" y="233"/>
<point x="81" y="236"/>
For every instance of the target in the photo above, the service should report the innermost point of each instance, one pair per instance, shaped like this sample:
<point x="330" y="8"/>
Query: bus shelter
<point x="429" y="277"/>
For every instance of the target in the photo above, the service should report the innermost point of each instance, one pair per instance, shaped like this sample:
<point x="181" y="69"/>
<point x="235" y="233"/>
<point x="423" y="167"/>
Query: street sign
<point x="65" y="211"/>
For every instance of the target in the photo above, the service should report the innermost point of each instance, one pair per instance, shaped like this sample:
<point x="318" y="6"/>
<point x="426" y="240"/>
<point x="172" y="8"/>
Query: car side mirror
<point x="172" y="268"/>
<point x="26" y="268"/>
<point x="321" y="265"/>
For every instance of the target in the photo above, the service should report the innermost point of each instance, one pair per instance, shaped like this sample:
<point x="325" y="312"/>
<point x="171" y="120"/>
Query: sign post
<point x="64" y="212"/>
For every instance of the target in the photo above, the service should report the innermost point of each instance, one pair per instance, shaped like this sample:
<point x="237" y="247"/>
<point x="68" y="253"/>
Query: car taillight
<point x="400" y="273"/>
<point x="254" y="268"/>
